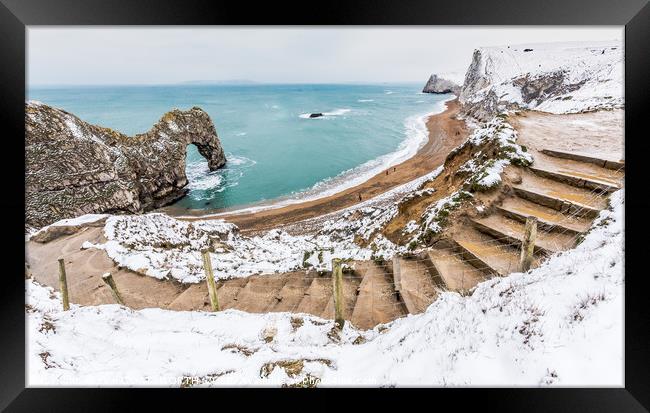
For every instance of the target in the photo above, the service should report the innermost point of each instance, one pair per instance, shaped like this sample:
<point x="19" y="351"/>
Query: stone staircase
<point x="564" y="191"/>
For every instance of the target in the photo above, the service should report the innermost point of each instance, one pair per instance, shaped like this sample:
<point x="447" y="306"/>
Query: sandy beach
<point x="445" y="133"/>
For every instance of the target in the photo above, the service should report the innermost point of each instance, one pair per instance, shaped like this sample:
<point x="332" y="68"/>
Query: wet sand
<point x="445" y="133"/>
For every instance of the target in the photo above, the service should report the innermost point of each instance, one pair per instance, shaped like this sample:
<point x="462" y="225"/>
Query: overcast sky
<point x="119" y="55"/>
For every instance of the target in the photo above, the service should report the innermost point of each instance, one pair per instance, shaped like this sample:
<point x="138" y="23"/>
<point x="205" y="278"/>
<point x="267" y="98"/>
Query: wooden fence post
<point x="108" y="279"/>
<point x="337" y="280"/>
<point x="63" y="285"/>
<point x="528" y="244"/>
<point x="209" y="278"/>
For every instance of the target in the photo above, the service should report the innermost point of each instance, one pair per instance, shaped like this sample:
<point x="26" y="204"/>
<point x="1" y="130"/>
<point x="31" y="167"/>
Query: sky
<point x="166" y="55"/>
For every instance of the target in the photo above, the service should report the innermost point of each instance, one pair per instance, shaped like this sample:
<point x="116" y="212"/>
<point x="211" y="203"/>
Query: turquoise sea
<point x="274" y="152"/>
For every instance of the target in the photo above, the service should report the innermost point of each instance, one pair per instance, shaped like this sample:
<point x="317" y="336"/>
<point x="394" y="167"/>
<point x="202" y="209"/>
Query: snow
<point x="69" y="222"/>
<point x="79" y="131"/>
<point x="163" y="247"/>
<point x="73" y="127"/>
<point x="173" y="126"/>
<point x="431" y="215"/>
<point x="410" y="227"/>
<point x="483" y="174"/>
<point x="595" y="67"/>
<point x="454" y="77"/>
<point x="558" y="325"/>
<point x="486" y="174"/>
<point x="80" y="220"/>
<point x="167" y="248"/>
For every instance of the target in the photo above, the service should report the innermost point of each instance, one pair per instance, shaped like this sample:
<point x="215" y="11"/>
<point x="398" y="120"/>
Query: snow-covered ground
<point x="560" y="324"/>
<point x="167" y="248"/>
<point x="572" y="77"/>
<point x="456" y="77"/>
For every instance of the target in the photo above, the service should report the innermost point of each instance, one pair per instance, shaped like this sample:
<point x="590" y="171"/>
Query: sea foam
<point x="416" y="134"/>
<point x="336" y="112"/>
<point x="202" y="181"/>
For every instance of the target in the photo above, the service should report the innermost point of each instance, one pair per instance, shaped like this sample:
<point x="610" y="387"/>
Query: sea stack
<point x="437" y="84"/>
<point x="75" y="168"/>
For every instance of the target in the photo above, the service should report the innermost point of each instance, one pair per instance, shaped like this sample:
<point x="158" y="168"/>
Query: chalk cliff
<point x="553" y="77"/>
<point x="75" y="168"/>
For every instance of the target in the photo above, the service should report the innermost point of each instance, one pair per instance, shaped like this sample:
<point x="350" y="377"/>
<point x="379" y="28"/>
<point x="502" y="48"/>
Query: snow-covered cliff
<point x="550" y="77"/>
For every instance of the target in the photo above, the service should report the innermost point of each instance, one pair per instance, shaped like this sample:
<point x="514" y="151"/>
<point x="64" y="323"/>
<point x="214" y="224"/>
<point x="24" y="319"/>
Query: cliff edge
<point x="551" y="77"/>
<point x="75" y="168"/>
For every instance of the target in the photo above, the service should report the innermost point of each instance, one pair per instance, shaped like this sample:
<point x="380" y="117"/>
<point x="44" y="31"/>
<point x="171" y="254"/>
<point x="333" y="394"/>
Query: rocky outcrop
<point x="555" y="78"/>
<point x="75" y="168"/>
<point x="437" y="84"/>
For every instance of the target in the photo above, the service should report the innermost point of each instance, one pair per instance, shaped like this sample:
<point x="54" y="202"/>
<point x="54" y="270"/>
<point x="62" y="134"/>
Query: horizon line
<point x="224" y="83"/>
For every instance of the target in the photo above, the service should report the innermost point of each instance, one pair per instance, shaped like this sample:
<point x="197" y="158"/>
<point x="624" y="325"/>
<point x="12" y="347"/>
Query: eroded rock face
<point x="554" y="78"/>
<point x="437" y="84"/>
<point x="75" y="168"/>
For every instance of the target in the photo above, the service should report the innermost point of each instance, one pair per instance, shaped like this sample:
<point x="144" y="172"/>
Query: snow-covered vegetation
<point x="485" y="171"/>
<point x="560" y="324"/>
<point x="164" y="247"/>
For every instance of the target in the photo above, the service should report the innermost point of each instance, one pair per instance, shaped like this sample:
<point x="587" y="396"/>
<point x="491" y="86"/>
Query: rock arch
<point x="75" y="168"/>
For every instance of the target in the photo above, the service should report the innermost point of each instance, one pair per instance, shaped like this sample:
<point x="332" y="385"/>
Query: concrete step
<point x="194" y="298"/>
<point x="455" y="272"/>
<point x="316" y="296"/>
<point x="561" y="197"/>
<point x="510" y="231"/>
<point x="227" y="291"/>
<point x="582" y="157"/>
<point x="487" y="255"/>
<point x="415" y="283"/>
<point x="574" y="179"/>
<point x="549" y="219"/>
<point x="576" y="173"/>
<point x="351" y="282"/>
<point x="293" y="291"/>
<point x="378" y="301"/>
<point x="260" y="293"/>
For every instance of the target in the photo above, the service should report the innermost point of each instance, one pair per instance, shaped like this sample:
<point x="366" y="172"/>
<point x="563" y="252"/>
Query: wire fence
<point x="410" y="282"/>
<point x="377" y="281"/>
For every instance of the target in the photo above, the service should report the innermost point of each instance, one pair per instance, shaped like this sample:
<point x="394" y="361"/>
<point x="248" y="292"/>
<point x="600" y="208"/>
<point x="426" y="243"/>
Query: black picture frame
<point x="15" y="15"/>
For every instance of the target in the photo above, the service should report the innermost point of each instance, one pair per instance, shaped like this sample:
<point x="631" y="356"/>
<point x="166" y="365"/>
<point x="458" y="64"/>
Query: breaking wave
<point x="336" y="112"/>
<point x="203" y="183"/>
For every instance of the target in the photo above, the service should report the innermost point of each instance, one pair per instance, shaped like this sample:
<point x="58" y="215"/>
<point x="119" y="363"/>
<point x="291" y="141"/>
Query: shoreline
<point x="347" y="179"/>
<point x="445" y="132"/>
